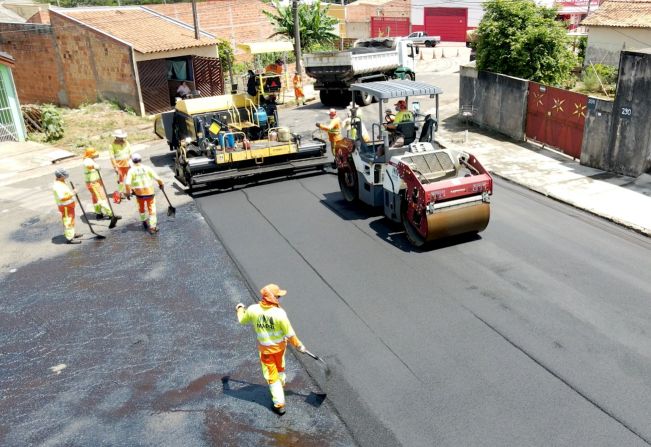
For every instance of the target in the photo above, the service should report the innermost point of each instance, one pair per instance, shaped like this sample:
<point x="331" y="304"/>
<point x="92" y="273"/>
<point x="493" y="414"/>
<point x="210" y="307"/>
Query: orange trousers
<point x="273" y="370"/>
<point x="122" y="173"/>
<point x="68" y="219"/>
<point x="147" y="206"/>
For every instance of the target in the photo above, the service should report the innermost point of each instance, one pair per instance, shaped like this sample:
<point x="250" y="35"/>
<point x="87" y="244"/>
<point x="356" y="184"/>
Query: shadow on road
<point x="259" y="394"/>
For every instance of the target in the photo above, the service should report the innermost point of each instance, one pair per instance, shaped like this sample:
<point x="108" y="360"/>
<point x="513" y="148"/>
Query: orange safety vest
<point x="333" y="129"/>
<point x="141" y="179"/>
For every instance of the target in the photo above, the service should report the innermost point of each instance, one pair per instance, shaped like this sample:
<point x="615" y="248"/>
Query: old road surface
<point x="536" y="333"/>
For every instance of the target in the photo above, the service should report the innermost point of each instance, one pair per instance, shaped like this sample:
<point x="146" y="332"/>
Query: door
<point x="449" y="23"/>
<point x="389" y="26"/>
<point x="556" y="118"/>
<point x="8" y="128"/>
<point x="208" y="77"/>
<point x="153" y="85"/>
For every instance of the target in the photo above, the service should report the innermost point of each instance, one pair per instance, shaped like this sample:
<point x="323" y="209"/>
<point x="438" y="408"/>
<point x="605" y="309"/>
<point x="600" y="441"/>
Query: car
<point x="421" y="37"/>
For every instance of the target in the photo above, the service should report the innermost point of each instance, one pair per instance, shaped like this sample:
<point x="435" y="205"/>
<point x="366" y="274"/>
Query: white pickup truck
<point x="421" y="37"/>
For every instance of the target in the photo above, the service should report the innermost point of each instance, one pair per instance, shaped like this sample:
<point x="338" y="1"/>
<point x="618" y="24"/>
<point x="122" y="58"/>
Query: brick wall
<point x="36" y="71"/>
<point x="94" y="65"/>
<point x="361" y="12"/>
<point x="237" y="21"/>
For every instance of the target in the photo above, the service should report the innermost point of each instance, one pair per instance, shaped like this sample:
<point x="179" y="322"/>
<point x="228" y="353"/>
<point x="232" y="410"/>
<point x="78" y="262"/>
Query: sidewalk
<point x="618" y="198"/>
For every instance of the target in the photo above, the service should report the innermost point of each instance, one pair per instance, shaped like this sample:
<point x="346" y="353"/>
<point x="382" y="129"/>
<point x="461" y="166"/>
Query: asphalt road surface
<point x="536" y="333"/>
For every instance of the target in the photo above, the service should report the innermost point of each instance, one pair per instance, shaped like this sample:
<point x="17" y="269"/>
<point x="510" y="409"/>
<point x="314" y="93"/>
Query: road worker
<point x="95" y="185"/>
<point x="273" y="330"/>
<point x="140" y="180"/>
<point x="403" y="115"/>
<point x="298" y="89"/>
<point x="120" y="153"/>
<point x="276" y="67"/>
<point x="65" y="200"/>
<point x="354" y="118"/>
<point x="333" y="129"/>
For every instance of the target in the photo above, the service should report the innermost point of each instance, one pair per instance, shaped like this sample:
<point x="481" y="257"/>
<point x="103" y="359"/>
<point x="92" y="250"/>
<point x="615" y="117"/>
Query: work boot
<point x="145" y="225"/>
<point x="73" y="241"/>
<point x="153" y="230"/>
<point x="78" y="235"/>
<point x="99" y="216"/>
<point x="279" y="410"/>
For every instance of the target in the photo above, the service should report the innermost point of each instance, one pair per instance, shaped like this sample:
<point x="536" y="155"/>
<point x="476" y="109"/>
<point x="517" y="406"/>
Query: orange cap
<point x="402" y="104"/>
<point x="271" y="293"/>
<point x="90" y="153"/>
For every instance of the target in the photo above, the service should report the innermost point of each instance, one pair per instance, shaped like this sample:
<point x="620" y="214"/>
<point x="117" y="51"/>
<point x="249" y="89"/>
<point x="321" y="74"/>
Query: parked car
<point x="421" y="37"/>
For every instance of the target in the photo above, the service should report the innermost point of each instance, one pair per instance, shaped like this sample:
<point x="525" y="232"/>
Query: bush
<point x="52" y="123"/>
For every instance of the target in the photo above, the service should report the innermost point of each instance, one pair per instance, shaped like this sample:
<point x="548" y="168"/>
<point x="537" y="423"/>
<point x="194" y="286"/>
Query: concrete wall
<point x="605" y="43"/>
<point x="596" y="133"/>
<point x="362" y="11"/>
<point x="358" y="30"/>
<point x="500" y="102"/>
<point x="630" y="143"/>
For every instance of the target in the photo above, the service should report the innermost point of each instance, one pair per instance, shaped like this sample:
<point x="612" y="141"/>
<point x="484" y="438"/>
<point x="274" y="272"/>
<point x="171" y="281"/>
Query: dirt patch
<point x="93" y="125"/>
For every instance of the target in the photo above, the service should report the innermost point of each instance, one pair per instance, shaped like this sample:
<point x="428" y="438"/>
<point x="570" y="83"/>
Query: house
<point x="131" y="55"/>
<point x="12" y="127"/>
<point x="617" y="25"/>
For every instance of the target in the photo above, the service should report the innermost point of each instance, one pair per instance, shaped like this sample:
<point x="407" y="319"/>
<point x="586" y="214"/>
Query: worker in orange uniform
<point x="140" y="180"/>
<point x="95" y="186"/>
<point x="276" y="67"/>
<point x="333" y="129"/>
<point x="298" y="89"/>
<point x="273" y="330"/>
<point x="65" y="200"/>
<point x="120" y="153"/>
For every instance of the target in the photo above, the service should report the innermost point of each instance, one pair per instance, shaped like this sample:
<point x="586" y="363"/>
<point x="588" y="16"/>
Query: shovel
<point x="322" y="363"/>
<point x="171" y="211"/>
<point x="97" y="236"/>
<point x="114" y="220"/>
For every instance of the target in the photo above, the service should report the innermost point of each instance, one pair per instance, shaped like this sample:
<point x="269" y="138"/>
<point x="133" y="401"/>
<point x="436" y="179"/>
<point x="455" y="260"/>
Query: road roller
<point x="433" y="191"/>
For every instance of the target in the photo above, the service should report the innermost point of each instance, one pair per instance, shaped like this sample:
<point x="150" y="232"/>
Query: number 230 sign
<point x="627" y="112"/>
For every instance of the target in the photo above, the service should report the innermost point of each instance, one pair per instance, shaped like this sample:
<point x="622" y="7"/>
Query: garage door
<point x="449" y="23"/>
<point x="389" y="26"/>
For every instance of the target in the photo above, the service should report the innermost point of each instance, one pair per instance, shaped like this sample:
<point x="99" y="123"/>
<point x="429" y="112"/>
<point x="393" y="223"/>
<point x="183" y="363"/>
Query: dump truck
<point x="433" y="191"/>
<point x="223" y="140"/>
<point x="376" y="59"/>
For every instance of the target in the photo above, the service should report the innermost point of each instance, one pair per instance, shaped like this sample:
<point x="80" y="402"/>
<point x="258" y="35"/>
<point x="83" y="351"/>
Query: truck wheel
<point x="347" y="177"/>
<point x="325" y="97"/>
<point x="428" y="44"/>
<point x="363" y="99"/>
<point x="410" y="76"/>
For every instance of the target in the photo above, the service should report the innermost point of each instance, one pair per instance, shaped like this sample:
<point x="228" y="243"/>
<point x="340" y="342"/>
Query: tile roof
<point x="621" y="14"/>
<point x="146" y="31"/>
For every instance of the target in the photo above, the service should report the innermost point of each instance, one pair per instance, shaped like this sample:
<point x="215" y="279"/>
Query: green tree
<point x="519" y="38"/>
<point x="315" y="25"/>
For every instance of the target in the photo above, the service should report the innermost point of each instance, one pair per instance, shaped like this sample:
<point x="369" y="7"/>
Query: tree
<point x="519" y="38"/>
<point x="315" y="25"/>
<point x="226" y="57"/>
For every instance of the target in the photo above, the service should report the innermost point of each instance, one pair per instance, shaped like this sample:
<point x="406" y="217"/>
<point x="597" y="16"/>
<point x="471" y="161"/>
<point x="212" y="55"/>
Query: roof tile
<point x="145" y="31"/>
<point x="621" y="14"/>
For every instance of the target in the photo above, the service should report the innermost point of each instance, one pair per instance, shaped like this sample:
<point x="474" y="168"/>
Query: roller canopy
<point x="269" y="46"/>
<point x="396" y="89"/>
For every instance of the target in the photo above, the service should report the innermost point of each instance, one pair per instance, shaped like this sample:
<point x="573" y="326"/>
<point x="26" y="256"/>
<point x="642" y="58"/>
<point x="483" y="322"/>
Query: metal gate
<point x="153" y="85"/>
<point x="556" y="118"/>
<point x="389" y="26"/>
<point x="449" y="23"/>
<point x="8" y="130"/>
<point x="208" y="77"/>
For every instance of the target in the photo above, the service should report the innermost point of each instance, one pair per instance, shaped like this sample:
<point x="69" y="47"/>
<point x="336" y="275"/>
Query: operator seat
<point x="408" y="131"/>
<point x="429" y="127"/>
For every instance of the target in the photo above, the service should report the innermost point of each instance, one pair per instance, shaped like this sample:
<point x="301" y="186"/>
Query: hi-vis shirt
<point x="271" y="326"/>
<point x="62" y="194"/>
<point x="141" y="179"/>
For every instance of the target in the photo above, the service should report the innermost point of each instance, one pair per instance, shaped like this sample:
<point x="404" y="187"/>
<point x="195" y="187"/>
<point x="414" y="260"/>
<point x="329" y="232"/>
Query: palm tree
<point x="315" y="26"/>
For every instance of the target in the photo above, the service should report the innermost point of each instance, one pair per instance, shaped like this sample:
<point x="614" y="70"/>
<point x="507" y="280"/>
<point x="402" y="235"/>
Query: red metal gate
<point x="208" y="77"/>
<point x="556" y="118"/>
<point x="389" y="26"/>
<point x="449" y="23"/>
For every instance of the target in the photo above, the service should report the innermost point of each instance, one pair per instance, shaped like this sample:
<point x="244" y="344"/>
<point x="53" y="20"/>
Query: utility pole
<point x="297" y="38"/>
<point x="195" y="17"/>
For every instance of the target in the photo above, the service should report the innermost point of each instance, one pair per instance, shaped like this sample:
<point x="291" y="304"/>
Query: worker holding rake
<point x="96" y="186"/>
<point x="273" y="330"/>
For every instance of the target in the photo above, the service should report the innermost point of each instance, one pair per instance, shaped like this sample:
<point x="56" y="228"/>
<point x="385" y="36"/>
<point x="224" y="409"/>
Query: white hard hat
<point x="120" y="134"/>
<point x="136" y="158"/>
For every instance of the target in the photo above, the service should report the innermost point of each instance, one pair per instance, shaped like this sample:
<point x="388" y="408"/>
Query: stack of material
<point x="32" y="115"/>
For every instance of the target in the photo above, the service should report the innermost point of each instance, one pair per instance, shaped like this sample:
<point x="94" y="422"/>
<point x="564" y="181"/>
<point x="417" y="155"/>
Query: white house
<point x="617" y="25"/>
